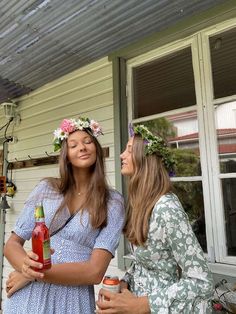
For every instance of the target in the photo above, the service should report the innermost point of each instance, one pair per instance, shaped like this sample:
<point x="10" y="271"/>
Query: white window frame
<point x="214" y="171"/>
<point x="210" y="178"/>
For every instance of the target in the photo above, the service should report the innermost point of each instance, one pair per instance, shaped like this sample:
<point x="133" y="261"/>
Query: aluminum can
<point x="111" y="283"/>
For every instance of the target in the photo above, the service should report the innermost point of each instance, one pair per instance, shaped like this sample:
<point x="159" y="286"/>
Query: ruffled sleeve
<point x="109" y="236"/>
<point x="25" y="222"/>
<point x="195" y="286"/>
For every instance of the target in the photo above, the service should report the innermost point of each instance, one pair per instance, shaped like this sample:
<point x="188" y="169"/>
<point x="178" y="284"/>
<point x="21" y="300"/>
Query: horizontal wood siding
<point x="86" y="92"/>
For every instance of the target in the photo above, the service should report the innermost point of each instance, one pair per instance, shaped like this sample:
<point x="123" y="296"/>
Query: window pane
<point x="181" y="133"/>
<point x="223" y="61"/>
<point x="191" y="197"/>
<point x="164" y="84"/>
<point x="225" y="120"/>
<point x="229" y="196"/>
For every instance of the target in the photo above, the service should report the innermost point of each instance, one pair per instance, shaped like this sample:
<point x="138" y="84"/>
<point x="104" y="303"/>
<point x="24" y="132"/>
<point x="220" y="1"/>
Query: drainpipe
<point x="3" y="218"/>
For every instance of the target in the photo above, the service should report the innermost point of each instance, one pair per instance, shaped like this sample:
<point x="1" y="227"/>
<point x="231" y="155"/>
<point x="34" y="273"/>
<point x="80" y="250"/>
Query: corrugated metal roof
<point x="41" y="40"/>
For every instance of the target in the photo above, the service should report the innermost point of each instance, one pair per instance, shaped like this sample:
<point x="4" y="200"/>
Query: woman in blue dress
<point x="84" y="246"/>
<point x="169" y="273"/>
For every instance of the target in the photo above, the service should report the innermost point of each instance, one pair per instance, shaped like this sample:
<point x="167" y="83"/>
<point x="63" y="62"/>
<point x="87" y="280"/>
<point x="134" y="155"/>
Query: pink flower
<point x="67" y="126"/>
<point x="95" y="127"/>
<point x="217" y="306"/>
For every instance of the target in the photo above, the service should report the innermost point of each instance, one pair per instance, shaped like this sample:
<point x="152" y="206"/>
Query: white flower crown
<point x="71" y="125"/>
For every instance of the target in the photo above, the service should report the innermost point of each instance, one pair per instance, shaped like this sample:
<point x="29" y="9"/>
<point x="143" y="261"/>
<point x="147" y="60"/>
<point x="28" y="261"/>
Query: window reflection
<point x="164" y="84"/>
<point x="229" y="197"/>
<point x="181" y="133"/>
<point x="225" y="119"/>
<point x="191" y="197"/>
<point x="223" y="62"/>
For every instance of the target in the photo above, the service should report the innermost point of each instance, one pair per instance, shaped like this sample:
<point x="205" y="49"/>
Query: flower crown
<point x="68" y="126"/>
<point x="154" y="144"/>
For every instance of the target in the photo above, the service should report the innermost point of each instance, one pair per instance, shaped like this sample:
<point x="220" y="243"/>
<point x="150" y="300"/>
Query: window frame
<point x="212" y="196"/>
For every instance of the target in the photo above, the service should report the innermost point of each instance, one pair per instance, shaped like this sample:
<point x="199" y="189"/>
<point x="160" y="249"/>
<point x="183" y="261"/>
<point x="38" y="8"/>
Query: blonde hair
<point x="148" y="183"/>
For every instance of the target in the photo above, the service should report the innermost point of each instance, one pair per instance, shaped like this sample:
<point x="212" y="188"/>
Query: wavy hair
<point x="98" y="187"/>
<point x="148" y="183"/>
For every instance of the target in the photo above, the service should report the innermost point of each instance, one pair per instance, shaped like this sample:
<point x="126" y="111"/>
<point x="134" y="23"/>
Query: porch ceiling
<point x="42" y="40"/>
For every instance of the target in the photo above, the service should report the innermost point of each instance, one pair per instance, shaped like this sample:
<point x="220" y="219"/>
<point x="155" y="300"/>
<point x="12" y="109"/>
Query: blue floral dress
<point x="74" y="243"/>
<point x="171" y="245"/>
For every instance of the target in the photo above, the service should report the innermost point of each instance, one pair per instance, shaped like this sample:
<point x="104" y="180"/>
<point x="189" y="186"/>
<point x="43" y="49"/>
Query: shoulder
<point x="168" y="207"/>
<point x="114" y="195"/>
<point x="43" y="189"/>
<point x="115" y="202"/>
<point x="44" y="184"/>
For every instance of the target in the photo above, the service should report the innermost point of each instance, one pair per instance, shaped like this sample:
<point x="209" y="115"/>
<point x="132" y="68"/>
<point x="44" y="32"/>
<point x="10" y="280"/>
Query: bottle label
<point x="46" y="252"/>
<point x="39" y="213"/>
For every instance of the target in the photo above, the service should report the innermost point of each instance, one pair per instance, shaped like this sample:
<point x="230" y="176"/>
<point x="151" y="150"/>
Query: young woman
<point x="84" y="246"/>
<point x="169" y="273"/>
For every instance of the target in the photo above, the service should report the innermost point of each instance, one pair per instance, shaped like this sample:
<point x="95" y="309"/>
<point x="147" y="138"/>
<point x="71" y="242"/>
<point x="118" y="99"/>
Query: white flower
<point x="58" y="133"/>
<point x="189" y="240"/>
<point x="191" y="295"/>
<point x="190" y="250"/>
<point x="179" y="234"/>
<point x="155" y="257"/>
<point x="166" y="216"/>
<point x="197" y="272"/>
<point x="183" y="226"/>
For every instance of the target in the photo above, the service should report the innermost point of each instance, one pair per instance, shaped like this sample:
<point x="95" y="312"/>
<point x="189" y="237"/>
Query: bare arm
<point x="79" y="273"/>
<point x="14" y="251"/>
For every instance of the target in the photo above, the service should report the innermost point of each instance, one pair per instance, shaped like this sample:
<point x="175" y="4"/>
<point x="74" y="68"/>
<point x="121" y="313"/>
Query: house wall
<point x="226" y="112"/>
<point x="88" y="92"/>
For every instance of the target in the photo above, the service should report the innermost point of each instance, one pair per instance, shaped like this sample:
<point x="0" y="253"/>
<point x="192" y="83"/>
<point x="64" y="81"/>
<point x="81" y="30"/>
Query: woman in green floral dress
<point x="169" y="273"/>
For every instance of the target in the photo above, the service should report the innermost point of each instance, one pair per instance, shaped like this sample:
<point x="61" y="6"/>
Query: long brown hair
<point x="148" y="183"/>
<point x="98" y="191"/>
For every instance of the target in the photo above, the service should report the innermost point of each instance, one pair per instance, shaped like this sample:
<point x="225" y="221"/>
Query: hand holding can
<point x="111" y="283"/>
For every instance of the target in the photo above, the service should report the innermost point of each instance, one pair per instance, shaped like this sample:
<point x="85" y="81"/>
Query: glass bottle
<point x="41" y="238"/>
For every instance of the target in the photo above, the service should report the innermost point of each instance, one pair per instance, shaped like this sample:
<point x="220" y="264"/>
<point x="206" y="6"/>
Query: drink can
<point x="111" y="283"/>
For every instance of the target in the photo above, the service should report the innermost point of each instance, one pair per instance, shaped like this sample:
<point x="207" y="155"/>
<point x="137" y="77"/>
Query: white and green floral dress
<point x="154" y="271"/>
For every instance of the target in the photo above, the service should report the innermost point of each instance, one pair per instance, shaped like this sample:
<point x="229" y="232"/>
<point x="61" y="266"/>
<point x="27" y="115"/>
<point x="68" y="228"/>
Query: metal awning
<point x="42" y="40"/>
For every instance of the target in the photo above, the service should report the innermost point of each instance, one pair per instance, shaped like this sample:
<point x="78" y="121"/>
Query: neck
<point x="82" y="180"/>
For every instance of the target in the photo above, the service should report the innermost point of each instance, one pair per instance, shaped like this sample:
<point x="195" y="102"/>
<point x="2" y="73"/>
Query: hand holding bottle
<point x="32" y="269"/>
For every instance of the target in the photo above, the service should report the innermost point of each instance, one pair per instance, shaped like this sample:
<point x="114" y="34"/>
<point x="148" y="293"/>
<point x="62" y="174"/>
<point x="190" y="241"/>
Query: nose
<point x="82" y="146"/>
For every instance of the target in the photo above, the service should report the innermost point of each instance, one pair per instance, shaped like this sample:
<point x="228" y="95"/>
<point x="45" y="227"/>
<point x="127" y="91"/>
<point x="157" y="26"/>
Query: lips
<point x="85" y="156"/>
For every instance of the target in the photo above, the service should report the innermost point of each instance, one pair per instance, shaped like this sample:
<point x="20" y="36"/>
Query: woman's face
<point x="127" y="166"/>
<point x="81" y="149"/>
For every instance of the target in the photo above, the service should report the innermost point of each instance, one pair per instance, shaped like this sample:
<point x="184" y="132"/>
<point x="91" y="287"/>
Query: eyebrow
<point x="82" y="139"/>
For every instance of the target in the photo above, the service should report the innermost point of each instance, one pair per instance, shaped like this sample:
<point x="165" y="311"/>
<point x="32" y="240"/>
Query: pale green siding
<point x="87" y="91"/>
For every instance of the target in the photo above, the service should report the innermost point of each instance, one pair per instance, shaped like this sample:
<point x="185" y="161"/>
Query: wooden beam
<point x="42" y="161"/>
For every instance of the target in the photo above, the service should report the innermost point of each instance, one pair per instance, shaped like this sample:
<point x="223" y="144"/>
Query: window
<point x="186" y="92"/>
<point x="223" y="63"/>
<point x="164" y="84"/>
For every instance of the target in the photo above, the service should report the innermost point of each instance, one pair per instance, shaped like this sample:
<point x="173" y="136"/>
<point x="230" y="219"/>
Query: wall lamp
<point x="11" y="112"/>
<point x="9" y="109"/>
